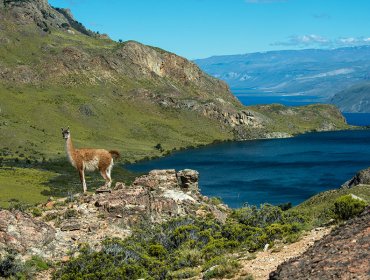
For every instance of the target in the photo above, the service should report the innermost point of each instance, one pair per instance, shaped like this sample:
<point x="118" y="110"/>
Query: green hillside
<point x="126" y="96"/>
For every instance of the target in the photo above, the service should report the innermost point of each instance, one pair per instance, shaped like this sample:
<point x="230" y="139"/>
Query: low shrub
<point x="36" y="212"/>
<point x="184" y="273"/>
<point x="178" y="248"/>
<point x="70" y="213"/>
<point x="10" y="266"/>
<point x="346" y="207"/>
<point x="223" y="268"/>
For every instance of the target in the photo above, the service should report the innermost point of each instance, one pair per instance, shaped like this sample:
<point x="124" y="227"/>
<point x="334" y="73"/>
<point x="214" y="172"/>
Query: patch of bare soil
<point x="267" y="261"/>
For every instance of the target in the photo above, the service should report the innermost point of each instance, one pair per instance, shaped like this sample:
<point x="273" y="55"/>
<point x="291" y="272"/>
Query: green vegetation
<point x="184" y="247"/>
<point x="187" y="247"/>
<point x="297" y="120"/>
<point x="320" y="209"/>
<point x="13" y="268"/>
<point x="109" y="101"/>
<point x="25" y="185"/>
<point x="346" y="207"/>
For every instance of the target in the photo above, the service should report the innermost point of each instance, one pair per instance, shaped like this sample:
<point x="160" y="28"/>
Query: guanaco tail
<point x="90" y="160"/>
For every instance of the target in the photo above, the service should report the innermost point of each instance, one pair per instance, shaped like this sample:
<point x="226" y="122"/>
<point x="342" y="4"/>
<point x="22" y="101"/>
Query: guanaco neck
<point x="70" y="150"/>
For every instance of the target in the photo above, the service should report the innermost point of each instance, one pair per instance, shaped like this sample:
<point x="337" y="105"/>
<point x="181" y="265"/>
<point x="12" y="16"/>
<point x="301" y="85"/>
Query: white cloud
<point x="303" y="40"/>
<point x="314" y="40"/>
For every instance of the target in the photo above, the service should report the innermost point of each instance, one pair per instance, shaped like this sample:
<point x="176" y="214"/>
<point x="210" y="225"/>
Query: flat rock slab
<point x="70" y="225"/>
<point x="103" y="190"/>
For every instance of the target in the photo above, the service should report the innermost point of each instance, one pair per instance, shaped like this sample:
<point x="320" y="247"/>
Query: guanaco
<point x="90" y="160"/>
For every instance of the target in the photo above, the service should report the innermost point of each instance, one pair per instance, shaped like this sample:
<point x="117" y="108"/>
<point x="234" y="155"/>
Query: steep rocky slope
<point x="355" y="99"/>
<point x="343" y="254"/>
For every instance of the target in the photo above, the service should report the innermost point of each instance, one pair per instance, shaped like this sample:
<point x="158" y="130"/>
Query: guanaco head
<point x="65" y="133"/>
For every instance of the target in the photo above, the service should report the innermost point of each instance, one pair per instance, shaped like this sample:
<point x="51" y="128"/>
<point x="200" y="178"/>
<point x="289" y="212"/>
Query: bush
<point x="176" y="249"/>
<point x="70" y="213"/>
<point x="184" y="273"/>
<point x="259" y="217"/>
<point x="215" y="200"/>
<point x="187" y="258"/>
<point x="36" y="212"/>
<point x="221" y="268"/>
<point x="346" y="207"/>
<point x="37" y="263"/>
<point x="10" y="266"/>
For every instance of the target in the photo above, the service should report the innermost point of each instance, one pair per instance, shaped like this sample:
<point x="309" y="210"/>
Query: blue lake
<point x="274" y="171"/>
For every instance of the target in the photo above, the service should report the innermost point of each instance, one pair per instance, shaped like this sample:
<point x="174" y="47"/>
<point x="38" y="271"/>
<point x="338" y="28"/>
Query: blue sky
<point x="202" y="28"/>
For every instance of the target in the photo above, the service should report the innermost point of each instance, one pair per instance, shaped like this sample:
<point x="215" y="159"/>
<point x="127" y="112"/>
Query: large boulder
<point x="361" y="178"/>
<point x="21" y="232"/>
<point x="157" y="197"/>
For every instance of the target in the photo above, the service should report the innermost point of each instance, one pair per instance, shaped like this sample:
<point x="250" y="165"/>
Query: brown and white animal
<point x="90" y="160"/>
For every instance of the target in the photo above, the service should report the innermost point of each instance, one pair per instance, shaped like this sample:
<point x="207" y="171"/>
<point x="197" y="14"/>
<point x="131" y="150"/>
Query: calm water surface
<point x="274" y="171"/>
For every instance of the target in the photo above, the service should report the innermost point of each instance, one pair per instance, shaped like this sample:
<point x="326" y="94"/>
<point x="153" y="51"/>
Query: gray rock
<point x="362" y="177"/>
<point x="70" y="225"/>
<point x="188" y="180"/>
<point x="21" y="232"/>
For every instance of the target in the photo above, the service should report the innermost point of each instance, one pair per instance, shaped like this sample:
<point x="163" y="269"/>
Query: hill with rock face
<point x="343" y="254"/>
<point x="129" y="94"/>
<point x="355" y="99"/>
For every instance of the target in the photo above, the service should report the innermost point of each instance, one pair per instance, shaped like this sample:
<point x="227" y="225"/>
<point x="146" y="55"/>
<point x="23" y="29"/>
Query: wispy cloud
<point x="321" y="16"/>
<point x="314" y="40"/>
<point x="303" y="40"/>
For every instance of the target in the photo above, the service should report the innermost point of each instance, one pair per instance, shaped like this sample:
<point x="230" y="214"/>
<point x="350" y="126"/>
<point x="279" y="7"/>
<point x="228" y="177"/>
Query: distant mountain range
<point x="319" y="74"/>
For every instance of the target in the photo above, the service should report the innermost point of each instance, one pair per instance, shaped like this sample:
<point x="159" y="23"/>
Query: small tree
<point x="159" y="147"/>
<point x="346" y="207"/>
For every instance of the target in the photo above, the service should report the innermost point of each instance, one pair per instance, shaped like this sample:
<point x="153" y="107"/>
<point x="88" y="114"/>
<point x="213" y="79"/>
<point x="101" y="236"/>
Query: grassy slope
<point x="31" y="114"/>
<point x="319" y="207"/>
<point x="296" y="120"/>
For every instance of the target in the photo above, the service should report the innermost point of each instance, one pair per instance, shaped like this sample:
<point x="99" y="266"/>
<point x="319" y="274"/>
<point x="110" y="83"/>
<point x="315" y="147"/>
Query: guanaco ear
<point x="68" y="128"/>
<point x="62" y="128"/>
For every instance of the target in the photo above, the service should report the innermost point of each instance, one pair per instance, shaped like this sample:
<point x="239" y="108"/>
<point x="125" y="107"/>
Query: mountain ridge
<point x="316" y="73"/>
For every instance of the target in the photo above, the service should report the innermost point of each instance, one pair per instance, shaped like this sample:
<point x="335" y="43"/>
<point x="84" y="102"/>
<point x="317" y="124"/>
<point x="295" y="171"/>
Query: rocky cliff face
<point x="43" y="15"/>
<point x="361" y="178"/>
<point x="153" y="198"/>
<point x="343" y="254"/>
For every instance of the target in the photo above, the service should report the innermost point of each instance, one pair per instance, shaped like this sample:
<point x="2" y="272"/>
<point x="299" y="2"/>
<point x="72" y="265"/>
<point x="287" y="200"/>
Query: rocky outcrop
<point x="22" y="233"/>
<point x="43" y="15"/>
<point x="361" y="178"/>
<point x="153" y="198"/>
<point x="343" y="254"/>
